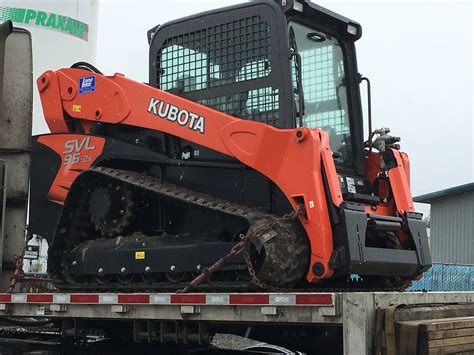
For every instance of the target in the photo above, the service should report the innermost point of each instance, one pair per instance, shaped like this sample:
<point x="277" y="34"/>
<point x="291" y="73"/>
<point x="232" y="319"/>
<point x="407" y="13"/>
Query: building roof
<point x="427" y="198"/>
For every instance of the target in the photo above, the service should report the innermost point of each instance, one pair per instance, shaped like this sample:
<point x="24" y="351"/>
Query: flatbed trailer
<point x="340" y="322"/>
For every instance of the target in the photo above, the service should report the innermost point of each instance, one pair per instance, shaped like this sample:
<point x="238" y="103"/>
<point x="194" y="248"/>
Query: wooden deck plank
<point x="451" y="342"/>
<point x="452" y="333"/>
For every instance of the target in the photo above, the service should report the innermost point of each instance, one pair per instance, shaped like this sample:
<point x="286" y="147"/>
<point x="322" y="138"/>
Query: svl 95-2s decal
<point x="77" y="153"/>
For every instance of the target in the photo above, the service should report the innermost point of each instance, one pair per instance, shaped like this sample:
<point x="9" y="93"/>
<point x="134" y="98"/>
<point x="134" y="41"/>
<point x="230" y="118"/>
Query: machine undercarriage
<point x="120" y="249"/>
<point x="183" y="233"/>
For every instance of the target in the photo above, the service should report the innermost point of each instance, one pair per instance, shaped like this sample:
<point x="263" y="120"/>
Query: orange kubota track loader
<point x="251" y="112"/>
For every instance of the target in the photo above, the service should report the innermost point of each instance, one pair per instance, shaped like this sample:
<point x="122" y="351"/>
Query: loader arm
<point x="292" y="158"/>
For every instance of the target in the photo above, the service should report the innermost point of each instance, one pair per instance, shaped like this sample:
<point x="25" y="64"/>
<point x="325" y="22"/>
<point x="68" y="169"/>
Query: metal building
<point x="452" y="224"/>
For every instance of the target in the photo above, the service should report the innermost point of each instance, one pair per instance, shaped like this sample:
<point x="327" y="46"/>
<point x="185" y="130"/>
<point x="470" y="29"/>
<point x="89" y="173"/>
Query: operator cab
<point x="320" y="61"/>
<point x="288" y="64"/>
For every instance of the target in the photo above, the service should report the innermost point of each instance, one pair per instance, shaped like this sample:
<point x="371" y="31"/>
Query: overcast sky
<point x="417" y="54"/>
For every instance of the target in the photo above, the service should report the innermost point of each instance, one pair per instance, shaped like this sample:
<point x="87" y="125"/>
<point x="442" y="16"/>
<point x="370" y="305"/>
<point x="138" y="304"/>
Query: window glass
<point x="186" y="70"/>
<point x="324" y="90"/>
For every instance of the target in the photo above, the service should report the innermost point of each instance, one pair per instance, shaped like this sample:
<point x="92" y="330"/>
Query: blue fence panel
<point x="446" y="277"/>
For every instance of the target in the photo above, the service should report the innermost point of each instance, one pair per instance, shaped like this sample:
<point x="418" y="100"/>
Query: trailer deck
<point x="355" y="312"/>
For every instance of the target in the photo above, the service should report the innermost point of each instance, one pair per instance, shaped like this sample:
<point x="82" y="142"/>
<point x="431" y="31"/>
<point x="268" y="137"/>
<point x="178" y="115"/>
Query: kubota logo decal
<point x="174" y="114"/>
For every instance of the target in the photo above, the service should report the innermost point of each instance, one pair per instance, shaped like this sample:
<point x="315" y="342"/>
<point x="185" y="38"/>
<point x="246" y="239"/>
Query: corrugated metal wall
<point x="452" y="229"/>
<point x="446" y="277"/>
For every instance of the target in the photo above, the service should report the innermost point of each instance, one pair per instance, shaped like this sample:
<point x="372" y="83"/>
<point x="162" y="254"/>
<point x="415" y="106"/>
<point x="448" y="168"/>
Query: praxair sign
<point x="46" y="20"/>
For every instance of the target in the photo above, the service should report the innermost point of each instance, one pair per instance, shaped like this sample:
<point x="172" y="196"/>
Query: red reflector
<point x="249" y="299"/>
<point x="39" y="298"/>
<point x="314" y="299"/>
<point x="133" y="298"/>
<point x="84" y="298"/>
<point x="5" y="298"/>
<point x="193" y="299"/>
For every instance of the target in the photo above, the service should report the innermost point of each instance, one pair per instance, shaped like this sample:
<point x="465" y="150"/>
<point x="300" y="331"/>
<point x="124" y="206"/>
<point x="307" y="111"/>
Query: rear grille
<point x="222" y="56"/>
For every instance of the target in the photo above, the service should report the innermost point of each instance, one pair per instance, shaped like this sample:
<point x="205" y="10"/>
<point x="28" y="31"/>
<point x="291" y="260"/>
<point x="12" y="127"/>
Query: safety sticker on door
<point x="87" y="85"/>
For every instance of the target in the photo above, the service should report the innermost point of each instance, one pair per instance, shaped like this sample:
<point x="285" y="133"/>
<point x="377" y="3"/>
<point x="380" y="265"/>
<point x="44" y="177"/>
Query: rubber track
<point x="296" y="246"/>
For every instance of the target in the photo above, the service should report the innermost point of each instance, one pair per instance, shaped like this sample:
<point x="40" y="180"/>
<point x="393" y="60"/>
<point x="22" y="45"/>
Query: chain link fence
<point x="446" y="277"/>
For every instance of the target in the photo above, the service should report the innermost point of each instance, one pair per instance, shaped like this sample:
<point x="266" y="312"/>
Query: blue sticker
<point x="87" y="84"/>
